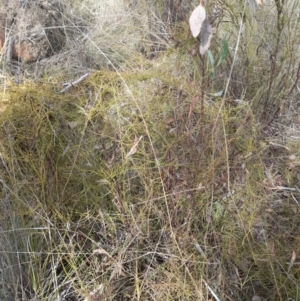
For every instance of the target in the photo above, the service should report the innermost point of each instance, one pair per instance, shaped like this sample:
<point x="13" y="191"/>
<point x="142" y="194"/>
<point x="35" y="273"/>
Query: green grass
<point x="139" y="184"/>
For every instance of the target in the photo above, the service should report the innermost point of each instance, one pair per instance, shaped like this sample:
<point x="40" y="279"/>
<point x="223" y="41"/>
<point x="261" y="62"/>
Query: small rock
<point x="36" y="29"/>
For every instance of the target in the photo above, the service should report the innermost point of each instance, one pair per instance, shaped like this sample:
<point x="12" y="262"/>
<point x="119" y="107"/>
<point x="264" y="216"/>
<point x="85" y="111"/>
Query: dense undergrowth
<point x="170" y="178"/>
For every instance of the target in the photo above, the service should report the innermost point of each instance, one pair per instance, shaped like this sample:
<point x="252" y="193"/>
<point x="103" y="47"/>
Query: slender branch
<point x="10" y="46"/>
<point x="72" y="84"/>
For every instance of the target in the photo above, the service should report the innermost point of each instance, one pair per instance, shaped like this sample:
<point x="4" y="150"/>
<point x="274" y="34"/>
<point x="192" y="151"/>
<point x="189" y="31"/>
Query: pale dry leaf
<point x="293" y="258"/>
<point x="118" y="270"/>
<point x="98" y="290"/>
<point x="196" y="19"/>
<point x="101" y="251"/>
<point x="292" y="157"/>
<point x="200" y="186"/>
<point x="206" y="35"/>
<point x="73" y="124"/>
<point x="134" y="147"/>
<point x="259" y="2"/>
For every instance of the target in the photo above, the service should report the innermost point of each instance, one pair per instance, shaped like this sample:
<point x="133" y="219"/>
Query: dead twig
<point x="10" y="49"/>
<point x="77" y="81"/>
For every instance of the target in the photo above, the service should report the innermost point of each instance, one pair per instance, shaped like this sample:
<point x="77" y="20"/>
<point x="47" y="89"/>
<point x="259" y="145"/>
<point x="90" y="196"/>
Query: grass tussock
<point x="159" y="177"/>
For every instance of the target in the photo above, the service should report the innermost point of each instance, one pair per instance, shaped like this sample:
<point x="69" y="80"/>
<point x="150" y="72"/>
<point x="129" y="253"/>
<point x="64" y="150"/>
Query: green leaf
<point x="212" y="63"/>
<point x="211" y="58"/>
<point x="160" y="5"/>
<point x="224" y="52"/>
<point x="217" y="94"/>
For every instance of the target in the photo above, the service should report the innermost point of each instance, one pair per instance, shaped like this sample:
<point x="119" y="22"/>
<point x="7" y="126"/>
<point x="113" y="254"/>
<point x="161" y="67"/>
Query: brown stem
<point x="201" y="123"/>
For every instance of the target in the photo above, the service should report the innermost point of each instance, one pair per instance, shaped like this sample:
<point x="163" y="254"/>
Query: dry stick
<point x="223" y="100"/>
<point x="72" y="84"/>
<point x="211" y="291"/>
<point x="10" y="46"/>
<point x="201" y="123"/>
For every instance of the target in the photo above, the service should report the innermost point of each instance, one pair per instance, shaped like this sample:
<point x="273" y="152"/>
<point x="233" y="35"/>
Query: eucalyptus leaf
<point x="206" y="35"/>
<point x="196" y="19"/>
<point x="217" y="94"/>
<point x="224" y="52"/>
<point x="212" y="62"/>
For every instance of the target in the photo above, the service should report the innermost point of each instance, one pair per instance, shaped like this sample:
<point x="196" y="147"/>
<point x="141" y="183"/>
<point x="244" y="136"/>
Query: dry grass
<point x="139" y="184"/>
